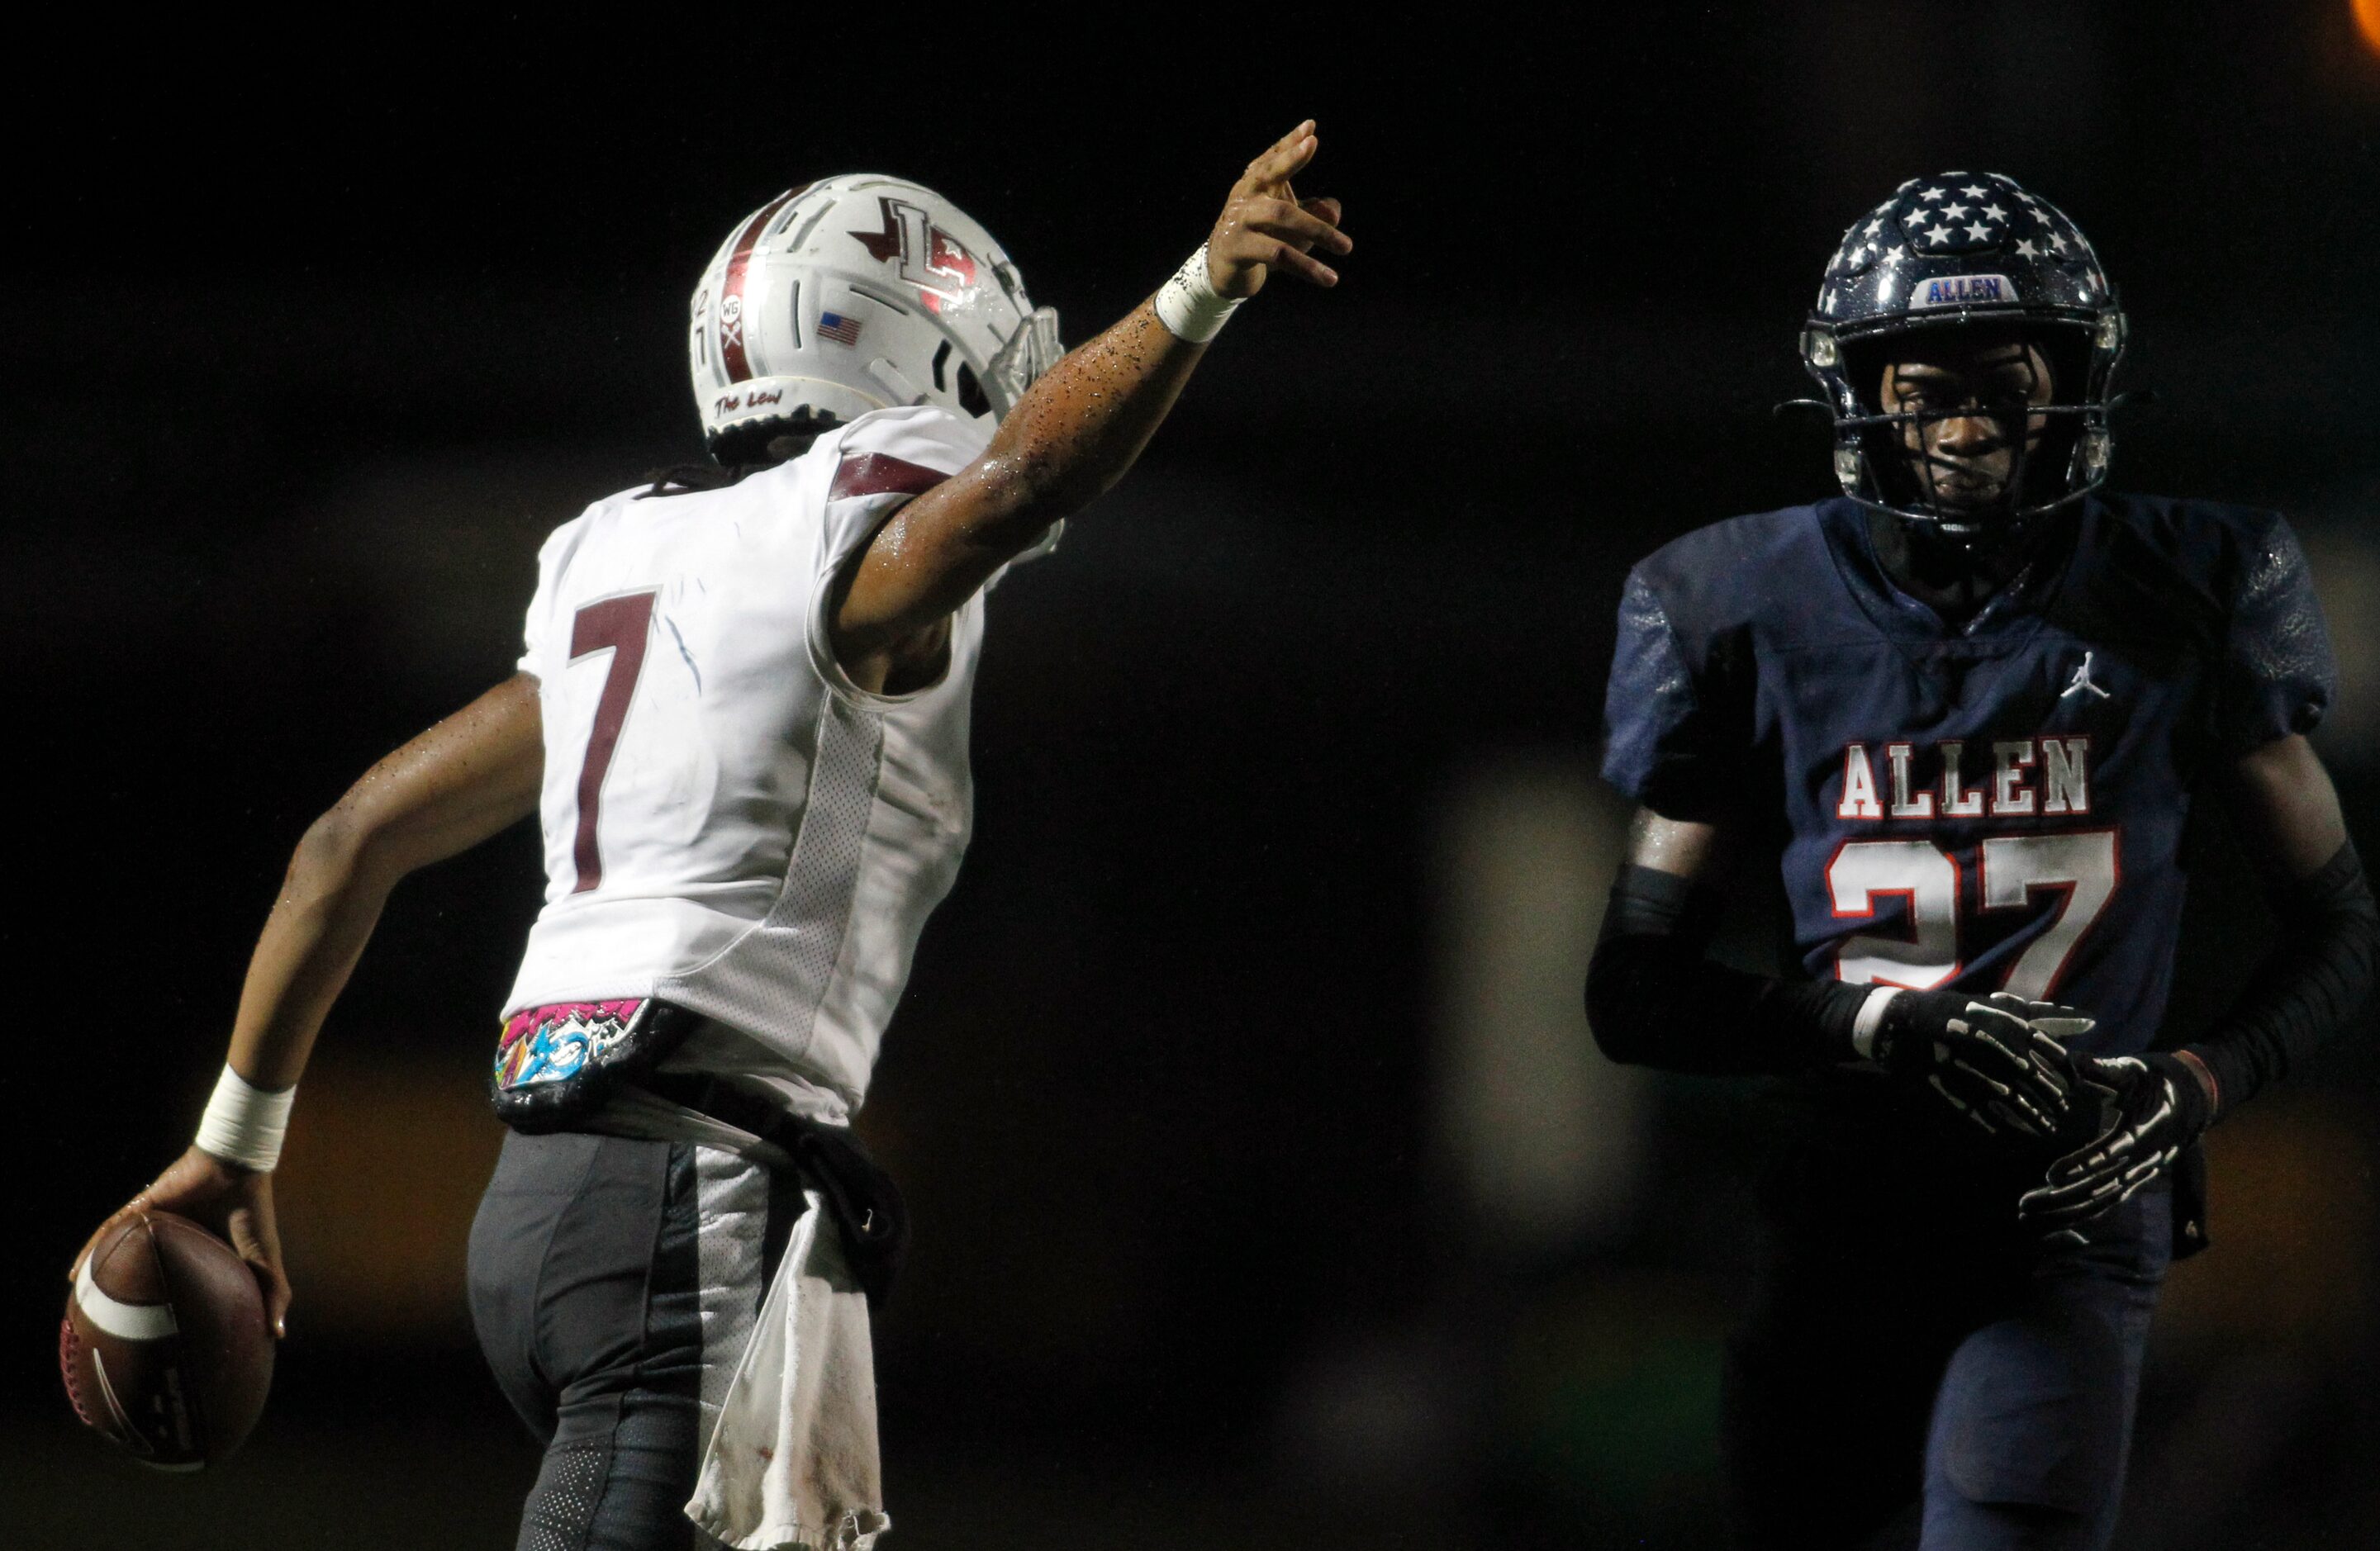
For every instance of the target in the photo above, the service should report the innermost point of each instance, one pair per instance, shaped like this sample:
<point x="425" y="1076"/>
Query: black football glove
<point x="1987" y="1060"/>
<point x="2153" y="1107"/>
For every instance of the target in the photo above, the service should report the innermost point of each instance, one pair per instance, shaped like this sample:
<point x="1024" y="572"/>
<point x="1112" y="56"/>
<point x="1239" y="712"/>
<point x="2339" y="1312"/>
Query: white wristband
<point x="244" y="1123"/>
<point x="1190" y="307"/>
<point x="1871" y="1015"/>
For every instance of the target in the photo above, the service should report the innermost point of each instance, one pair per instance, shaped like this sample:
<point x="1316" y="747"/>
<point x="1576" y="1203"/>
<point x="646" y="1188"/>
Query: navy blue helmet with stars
<point x="1973" y="250"/>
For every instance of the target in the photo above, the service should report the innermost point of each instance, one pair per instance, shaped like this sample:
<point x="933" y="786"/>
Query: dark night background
<point x="1223" y="1235"/>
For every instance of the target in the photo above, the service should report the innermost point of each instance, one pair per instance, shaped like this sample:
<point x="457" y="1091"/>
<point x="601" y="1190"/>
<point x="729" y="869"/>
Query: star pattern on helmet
<point x="1961" y="212"/>
<point x="1982" y="220"/>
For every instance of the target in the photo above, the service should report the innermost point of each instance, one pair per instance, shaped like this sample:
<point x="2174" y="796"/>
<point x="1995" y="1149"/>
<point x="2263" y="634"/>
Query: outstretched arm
<point x="463" y="781"/>
<point x="1076" y="430"/>
<point x="472" y="775"/>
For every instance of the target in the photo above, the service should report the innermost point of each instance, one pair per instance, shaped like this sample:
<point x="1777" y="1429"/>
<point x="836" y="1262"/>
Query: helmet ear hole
<point x="941" y="358"/>
<point x="972" y="398"/>
<point x="1862" y="364"/>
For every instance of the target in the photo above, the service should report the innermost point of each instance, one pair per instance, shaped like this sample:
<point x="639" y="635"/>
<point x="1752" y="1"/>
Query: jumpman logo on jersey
<point x="2082" y="681"/>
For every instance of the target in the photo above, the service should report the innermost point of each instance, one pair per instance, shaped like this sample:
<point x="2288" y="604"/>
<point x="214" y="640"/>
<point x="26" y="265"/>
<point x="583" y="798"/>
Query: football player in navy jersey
<point x="1971" y="699"/>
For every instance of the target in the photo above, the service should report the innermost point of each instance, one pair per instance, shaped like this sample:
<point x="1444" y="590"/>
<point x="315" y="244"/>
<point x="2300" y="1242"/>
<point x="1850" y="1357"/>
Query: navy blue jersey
<point x="1997" y="805"/>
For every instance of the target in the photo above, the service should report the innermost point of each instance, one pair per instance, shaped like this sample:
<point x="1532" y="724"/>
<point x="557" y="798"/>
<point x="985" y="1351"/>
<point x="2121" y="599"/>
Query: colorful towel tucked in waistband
<point x="551" y="1043"/>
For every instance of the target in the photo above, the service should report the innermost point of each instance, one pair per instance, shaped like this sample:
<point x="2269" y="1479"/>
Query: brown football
<point x="164" y="1346"/>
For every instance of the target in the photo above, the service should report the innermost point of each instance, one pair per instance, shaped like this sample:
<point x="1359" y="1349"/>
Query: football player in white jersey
<point x="742" y="718"/>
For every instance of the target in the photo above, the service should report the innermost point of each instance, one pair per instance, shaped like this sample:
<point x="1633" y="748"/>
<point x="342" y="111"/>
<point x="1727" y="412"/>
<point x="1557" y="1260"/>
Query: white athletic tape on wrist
<point x="243" y="1124"/>
<point x="1190" y="307"/>
<point x="1870" y="1018"/>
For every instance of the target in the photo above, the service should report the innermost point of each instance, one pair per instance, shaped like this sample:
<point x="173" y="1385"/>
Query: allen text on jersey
<point x="2047" y="777"/>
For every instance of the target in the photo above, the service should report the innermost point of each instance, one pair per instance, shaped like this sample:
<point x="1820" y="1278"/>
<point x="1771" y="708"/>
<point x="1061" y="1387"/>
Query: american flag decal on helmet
<point x="842" y="330"/>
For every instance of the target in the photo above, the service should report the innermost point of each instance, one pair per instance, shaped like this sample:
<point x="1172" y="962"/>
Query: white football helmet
<point x="858" y="293"/>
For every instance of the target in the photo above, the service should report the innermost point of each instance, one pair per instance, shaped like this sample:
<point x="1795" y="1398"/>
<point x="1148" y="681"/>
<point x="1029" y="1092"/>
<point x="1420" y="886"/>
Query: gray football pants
<point x="597" y="1265"/>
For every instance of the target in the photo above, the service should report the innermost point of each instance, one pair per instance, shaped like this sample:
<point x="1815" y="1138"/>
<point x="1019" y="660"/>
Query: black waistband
<point x="867" y="1204"/>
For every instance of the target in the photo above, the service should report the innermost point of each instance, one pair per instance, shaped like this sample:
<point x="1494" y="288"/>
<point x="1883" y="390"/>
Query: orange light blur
<point x="2367" y="21"/>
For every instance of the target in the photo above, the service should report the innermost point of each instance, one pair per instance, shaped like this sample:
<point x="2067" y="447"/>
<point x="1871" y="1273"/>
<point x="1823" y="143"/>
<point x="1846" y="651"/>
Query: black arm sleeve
<point x="1653" y="998"/>
<point x="2314" y="982"/>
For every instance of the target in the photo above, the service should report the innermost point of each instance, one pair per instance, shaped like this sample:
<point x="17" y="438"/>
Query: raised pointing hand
<point x="1266" y="226"/>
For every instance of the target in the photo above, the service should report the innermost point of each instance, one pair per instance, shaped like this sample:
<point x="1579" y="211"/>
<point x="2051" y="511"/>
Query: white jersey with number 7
<point x="731" y="824"/>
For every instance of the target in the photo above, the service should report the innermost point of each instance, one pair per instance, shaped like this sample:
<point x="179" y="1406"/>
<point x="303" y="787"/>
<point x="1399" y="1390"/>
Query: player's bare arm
<point x="1697" y="852"/>
<point x="1075" y="431"/>
<point x="2285" y="810"/>
<point x="466" y="779"/>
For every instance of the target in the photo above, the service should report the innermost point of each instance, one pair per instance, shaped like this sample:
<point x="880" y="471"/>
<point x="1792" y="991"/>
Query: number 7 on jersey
<point x="618" y="625"/>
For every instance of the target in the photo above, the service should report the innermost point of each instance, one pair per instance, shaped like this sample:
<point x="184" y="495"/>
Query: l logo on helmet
<point x="931" y="260"/>
<point x="1964" y="290"/>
